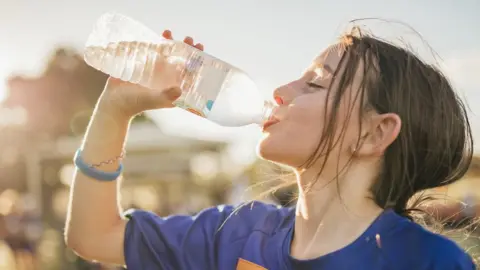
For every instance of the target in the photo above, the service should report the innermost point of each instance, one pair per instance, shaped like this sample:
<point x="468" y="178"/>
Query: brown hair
<point x="434" y="147"/>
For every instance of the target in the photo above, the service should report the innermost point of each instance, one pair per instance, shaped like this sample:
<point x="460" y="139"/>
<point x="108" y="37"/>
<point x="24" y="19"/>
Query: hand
<point x="127" y="99"/>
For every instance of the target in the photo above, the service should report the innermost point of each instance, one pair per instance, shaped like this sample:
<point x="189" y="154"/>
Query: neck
<point x="332" y="214"/>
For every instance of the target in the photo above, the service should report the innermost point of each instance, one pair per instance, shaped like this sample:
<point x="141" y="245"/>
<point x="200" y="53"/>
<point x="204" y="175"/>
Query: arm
<point x="94" y="227"/>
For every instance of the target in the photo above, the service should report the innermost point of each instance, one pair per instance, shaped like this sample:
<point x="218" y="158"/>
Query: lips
<point x="269" y="123"/>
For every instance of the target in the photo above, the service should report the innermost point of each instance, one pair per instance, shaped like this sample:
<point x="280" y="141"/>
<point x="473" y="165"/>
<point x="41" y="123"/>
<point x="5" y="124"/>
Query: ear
<point x="380" y="132"/>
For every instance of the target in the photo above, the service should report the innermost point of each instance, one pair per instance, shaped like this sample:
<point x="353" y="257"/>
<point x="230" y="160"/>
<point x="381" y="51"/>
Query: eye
<point x="314" y="85"/>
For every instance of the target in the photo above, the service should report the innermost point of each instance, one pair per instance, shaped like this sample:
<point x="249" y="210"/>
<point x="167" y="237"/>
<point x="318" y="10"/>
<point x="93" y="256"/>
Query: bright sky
<point x="272" y="40"/>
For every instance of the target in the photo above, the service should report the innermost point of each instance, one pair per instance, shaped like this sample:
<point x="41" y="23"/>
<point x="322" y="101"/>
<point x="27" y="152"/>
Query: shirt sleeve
<point x="176" y="242"/>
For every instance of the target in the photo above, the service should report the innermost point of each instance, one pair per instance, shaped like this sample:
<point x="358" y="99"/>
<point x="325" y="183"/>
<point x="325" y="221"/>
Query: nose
<point x="284" y="94"/>
<point x="279" y="100"/>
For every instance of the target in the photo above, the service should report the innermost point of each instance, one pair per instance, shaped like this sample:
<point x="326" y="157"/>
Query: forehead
<point x="329" y="60"/>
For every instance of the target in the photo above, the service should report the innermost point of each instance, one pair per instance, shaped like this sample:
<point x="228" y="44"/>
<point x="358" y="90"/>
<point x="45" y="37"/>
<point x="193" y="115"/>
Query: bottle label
<point x="201" y="84"/>
<point x="194" y="64"/>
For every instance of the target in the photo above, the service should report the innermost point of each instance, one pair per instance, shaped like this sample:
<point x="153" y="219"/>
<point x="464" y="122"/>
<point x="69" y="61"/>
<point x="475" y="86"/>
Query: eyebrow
<point x="328" y="68"/>
<point x="323" y="66"/>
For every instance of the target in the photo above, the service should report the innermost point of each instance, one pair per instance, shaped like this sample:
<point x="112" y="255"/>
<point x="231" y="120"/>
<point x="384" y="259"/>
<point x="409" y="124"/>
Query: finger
<point x="188" y="40"/>
<point x="167" y="34"/>
<point x="199" y="46"/>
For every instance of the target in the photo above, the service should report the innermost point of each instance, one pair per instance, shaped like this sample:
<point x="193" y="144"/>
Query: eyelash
<point x="314" y="85"/>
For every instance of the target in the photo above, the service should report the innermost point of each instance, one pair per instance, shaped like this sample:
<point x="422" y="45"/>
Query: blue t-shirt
<point x="258" y="237"/>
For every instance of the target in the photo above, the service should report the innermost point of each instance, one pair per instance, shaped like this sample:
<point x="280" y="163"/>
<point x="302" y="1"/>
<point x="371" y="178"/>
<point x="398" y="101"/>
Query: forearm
<point x="94" y="208"/>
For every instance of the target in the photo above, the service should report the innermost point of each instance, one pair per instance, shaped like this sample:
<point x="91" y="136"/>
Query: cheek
<point x="292" y="145"/>
<point x="293" y="140"/>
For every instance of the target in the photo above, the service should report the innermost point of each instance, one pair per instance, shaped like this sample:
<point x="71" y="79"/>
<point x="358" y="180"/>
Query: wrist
<point x="107" y="129"/>
<point x="109" y="108"/>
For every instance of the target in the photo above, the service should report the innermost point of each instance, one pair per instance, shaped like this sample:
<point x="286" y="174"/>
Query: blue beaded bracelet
<point x="91" y="172"/>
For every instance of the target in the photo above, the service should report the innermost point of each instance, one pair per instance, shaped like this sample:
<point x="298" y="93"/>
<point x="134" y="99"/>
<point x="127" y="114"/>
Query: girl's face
<point x="304" y="105"/>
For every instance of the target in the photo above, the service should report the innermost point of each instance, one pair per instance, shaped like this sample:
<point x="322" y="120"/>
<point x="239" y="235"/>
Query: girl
<point x="365" y="127"/>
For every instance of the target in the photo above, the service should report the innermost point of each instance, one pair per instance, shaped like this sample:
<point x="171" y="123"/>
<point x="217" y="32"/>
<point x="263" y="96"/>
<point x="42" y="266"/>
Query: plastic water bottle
<point x="211" y="88"/>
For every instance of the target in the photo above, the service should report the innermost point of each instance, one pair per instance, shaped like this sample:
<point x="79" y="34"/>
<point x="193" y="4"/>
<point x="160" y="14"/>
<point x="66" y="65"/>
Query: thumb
<point x="164" y="98"/>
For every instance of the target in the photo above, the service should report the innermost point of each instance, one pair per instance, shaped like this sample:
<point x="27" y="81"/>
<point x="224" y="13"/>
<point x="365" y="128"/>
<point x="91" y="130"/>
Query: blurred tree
<point x="56" y="103"/>
<point x="60" y="101"/>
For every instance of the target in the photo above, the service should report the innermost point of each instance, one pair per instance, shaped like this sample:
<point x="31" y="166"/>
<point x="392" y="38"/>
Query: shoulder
<point x="444" y="253"/>
<point x="257" y="216"/>
<point x="249" y="216"/>
<point x="426" y="249"/>
<point x="187" y="242"/>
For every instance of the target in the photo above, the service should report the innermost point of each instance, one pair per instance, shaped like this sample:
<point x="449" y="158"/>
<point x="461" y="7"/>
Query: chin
<point x="268" y="149"/>
<point x="284" y="151"/>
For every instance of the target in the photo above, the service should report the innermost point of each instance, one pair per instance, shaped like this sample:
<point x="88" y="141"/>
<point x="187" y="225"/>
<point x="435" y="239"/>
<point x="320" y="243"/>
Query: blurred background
<point x="177" y="162"/>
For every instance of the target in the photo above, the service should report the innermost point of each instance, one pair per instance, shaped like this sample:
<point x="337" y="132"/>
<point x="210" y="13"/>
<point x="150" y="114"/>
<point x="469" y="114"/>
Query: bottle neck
<point x="267" y="111"/>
